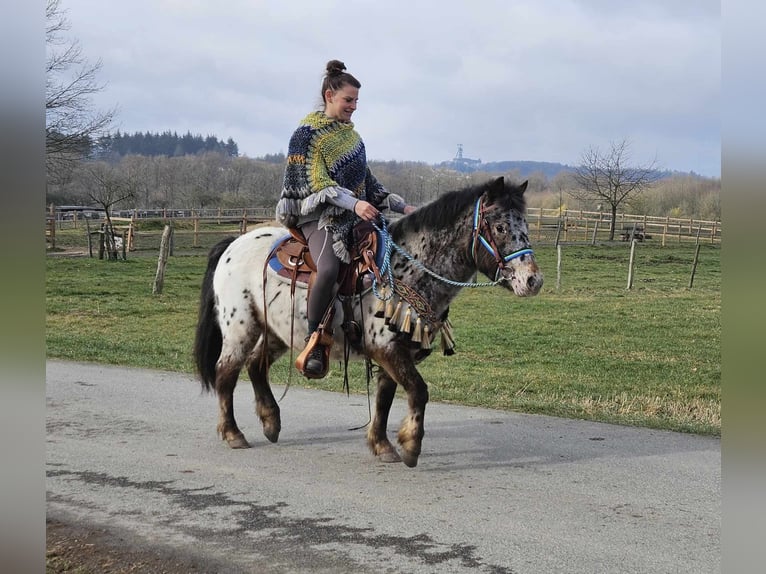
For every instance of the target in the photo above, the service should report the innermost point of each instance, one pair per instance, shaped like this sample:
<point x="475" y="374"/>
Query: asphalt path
<point x="135" y="452"/>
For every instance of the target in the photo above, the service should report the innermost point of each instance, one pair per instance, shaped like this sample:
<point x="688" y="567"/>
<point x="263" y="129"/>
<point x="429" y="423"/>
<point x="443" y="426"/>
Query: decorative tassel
<point x="417" y="334"/>
<point x="397" y="314"/>
<point x="389" y="310"/>
<point x="447" y="339"/>
<point x="393" y="322"/>
<point x="407" y="322"/>
<point x="426" y="342"/>
<point x="380" y="307"/>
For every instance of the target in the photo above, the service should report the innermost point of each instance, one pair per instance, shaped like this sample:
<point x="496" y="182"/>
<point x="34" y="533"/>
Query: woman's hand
<point x="409" y="209"/>
<point x="366" y="210"/>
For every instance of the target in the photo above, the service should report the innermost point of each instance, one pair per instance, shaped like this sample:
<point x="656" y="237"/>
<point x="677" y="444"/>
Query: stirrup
<point x="317" y="350"/>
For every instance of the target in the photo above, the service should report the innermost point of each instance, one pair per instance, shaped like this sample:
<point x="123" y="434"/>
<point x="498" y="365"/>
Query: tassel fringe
<point x="397" y="314"/>
<point x="389" y="310"/>
<point x="417" y="334"/>
<point x="380" y="307"/>
<point x="447" y="339"/>
<point x="426" y="342"/>
<point x="407" y="322"/>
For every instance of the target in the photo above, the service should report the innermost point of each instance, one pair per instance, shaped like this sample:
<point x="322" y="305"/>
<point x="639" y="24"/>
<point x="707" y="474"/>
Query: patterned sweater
<point x="326" y="174"/>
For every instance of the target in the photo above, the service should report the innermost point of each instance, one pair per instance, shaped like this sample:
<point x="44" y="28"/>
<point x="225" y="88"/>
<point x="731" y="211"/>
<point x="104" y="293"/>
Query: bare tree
<point x="106" y="186"/>
<point x="610" y="179"/>
<point x="71" y="124"/>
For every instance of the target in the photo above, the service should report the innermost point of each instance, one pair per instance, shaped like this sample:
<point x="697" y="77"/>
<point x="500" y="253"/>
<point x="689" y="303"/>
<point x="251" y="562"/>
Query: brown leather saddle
<point x="291" y="258"/>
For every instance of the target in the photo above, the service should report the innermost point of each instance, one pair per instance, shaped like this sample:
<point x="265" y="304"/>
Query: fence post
<point x="595" y="231"/>
<point x="630" y="265"/>
<point x="195" y="243"/>
<point x="159" y="279"/>
<point x="558" y="267"/>
<point x="101" y="242"/>
<point x="694" y="265"/>
<point x="50" y="223"/>
<point x="539" y="223"/>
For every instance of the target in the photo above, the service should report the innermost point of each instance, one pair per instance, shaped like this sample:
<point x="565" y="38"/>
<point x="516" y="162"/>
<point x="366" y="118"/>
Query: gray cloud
<point x="530" y="79"/>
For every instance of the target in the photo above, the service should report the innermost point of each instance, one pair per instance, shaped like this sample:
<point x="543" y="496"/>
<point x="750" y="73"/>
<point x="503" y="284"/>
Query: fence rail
<point x="197" y="228"/>
<point x="583" y="226"/>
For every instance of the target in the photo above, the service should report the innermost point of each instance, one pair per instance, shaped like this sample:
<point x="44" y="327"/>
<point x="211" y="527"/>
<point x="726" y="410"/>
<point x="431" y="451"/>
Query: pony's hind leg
<point x="266" y="407"/>
<point x="377" y="439"/>
<point x="241" y="333"/>
<point x="225" y="382"/>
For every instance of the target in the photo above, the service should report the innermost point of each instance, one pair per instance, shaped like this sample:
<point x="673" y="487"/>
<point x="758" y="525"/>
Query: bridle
<point x="482" y="234"/>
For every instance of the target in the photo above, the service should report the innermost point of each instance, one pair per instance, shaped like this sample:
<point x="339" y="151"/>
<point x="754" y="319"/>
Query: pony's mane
<point x="448" y="207"/>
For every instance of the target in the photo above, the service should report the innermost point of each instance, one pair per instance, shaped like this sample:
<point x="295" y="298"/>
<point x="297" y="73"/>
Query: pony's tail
<point x="208" y="339"/>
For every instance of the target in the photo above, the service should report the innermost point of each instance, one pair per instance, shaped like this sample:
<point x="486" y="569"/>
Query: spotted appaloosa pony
<point x="433" y="253"/>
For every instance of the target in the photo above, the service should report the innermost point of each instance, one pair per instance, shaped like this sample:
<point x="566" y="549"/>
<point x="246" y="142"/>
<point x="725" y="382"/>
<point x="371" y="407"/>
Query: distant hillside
<point x="523" y="168"/>
<point x="526" y="168"/>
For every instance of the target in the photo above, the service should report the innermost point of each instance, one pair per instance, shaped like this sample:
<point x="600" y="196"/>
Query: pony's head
<point x="500" y="241"/>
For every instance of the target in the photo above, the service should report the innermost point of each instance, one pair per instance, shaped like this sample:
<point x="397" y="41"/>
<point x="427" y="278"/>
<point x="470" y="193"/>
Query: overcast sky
<point x="538" y="80"/>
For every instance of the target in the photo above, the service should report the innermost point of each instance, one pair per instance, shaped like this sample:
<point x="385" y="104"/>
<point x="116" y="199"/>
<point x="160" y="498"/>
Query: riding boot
<point x="314" y="360"/>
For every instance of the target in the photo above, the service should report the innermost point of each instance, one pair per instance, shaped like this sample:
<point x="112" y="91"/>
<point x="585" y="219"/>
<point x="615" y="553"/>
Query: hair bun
<point x="335" y="67"/>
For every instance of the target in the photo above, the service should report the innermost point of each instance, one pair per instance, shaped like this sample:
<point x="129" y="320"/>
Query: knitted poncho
<point x="326" y="158"/>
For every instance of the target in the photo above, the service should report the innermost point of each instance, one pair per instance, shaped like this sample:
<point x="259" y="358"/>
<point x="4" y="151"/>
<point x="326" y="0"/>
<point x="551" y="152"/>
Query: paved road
<point x="135" y="451"/>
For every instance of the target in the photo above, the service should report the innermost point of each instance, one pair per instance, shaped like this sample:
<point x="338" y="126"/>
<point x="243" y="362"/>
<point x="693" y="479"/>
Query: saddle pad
<point x="274" y="263"/>
<point x="276" y="266"/>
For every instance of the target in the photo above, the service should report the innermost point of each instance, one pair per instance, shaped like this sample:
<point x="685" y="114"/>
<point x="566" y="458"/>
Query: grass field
<point x="592" y="349"/>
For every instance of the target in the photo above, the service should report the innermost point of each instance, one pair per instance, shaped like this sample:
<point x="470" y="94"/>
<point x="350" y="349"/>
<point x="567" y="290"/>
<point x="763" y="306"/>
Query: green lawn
<point x="649" y="356"/>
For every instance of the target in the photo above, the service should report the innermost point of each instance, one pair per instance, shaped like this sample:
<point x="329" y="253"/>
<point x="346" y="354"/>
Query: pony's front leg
<point x="402" y="369"/>
<point x="377" y="437"/>
<point x="411" y="431"/>
<point x="225" y="381"/>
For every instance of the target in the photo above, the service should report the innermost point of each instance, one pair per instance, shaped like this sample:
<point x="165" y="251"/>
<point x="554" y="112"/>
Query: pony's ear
<point x="523" y="186"/>
<point x="495" y="189"/>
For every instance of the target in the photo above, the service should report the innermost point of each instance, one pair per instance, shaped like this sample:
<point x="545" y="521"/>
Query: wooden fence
<point x="572" y="226"/>
<point x="200" y="229"/>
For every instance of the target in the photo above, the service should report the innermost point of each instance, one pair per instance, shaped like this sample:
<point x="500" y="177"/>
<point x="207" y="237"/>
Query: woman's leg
<point x="328" y="264"/>
<point x="313" y="361"/>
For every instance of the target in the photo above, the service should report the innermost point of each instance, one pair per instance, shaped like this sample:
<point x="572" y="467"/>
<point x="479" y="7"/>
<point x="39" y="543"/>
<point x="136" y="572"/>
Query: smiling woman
<point x="328" y="189"/>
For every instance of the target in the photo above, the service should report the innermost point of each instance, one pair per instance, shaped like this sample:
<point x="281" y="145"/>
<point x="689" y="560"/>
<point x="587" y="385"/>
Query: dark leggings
<point x="328" y="264"/>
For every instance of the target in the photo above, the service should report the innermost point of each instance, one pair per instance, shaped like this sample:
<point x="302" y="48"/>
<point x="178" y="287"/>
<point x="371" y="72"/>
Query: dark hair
<point x="336" y="77"/>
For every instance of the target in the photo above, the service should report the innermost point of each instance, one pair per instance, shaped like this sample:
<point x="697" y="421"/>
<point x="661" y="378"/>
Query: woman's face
<point x="341" y="104"/>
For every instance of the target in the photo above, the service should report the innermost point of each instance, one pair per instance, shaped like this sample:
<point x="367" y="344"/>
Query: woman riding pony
<point x="329" y="188"/>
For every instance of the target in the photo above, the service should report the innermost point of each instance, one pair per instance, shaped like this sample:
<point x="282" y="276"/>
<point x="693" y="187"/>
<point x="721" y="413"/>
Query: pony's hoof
<point x="390" y="456"/>
<point x="238" y="442"/>
<point x="410" y="460"/>
<point x="271" y="434"/>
